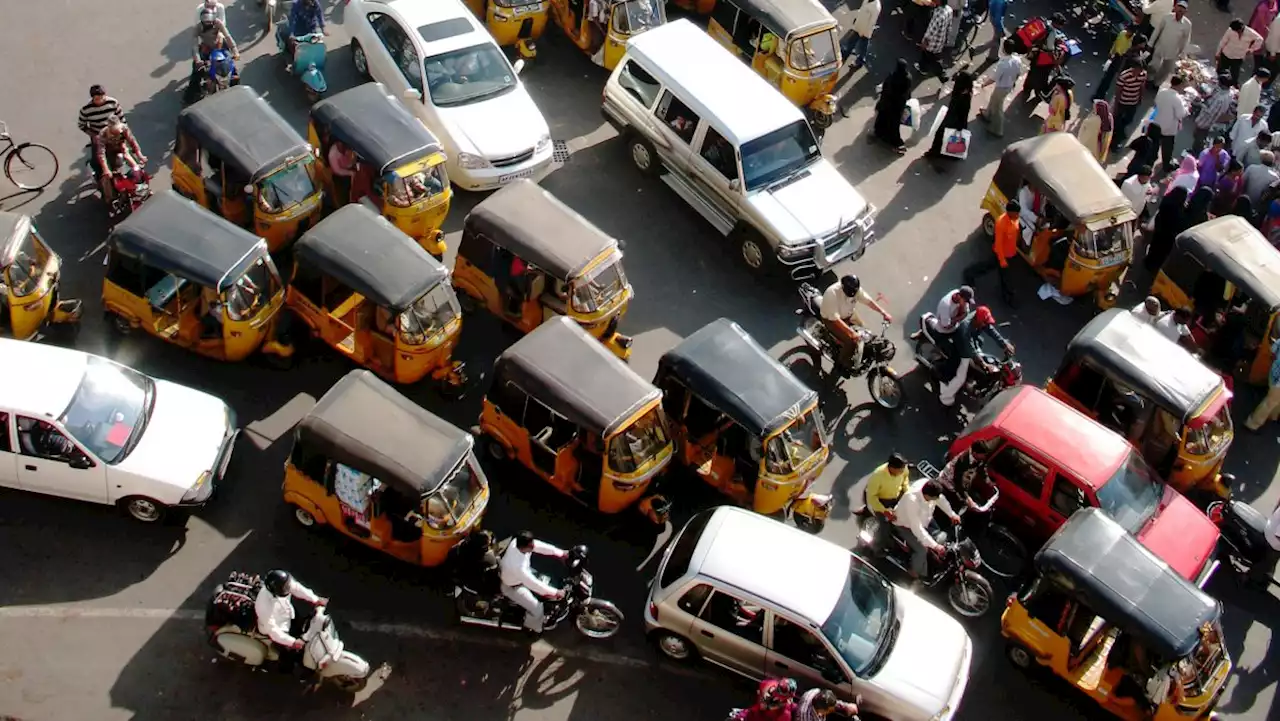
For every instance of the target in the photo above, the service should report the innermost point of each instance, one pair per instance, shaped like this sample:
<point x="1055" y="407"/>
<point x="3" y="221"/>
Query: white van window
<point x="682" y="121"/>
<point x="639" y="83"/>
<point x="719" y="153"/>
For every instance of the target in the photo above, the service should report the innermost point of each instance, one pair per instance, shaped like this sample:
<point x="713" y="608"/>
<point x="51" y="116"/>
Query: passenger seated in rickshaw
<point x="1231" y="343"/>
<point x="516" y="282"/>
<point x="210" y="313"/>
<point x="1051" y="245"/>
<point x="1144" y="681"/>
<point x="342" y="163"/>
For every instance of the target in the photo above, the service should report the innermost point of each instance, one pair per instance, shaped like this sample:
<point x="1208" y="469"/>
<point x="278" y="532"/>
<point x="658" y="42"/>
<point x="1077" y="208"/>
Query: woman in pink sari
<point x="1263" y="13"/>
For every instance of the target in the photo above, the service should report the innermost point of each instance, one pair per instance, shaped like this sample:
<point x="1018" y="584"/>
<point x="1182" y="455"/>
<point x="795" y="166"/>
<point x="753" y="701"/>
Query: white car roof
<point x="38" y="379"/>
<point x="717" y="85"/>
<point x="414" y="14"/>
<point x="785" y="566"/>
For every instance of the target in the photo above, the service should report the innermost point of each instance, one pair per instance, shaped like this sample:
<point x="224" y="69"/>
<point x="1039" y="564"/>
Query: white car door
<point x="42" y="469"/>
<point x="385" y="53"/>
<point x="8" y="458"/>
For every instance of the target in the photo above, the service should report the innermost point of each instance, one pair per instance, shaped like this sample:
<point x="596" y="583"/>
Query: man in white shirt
<point x="276" y="618"/>
<point x="952" y="309"/>
<point x="1237" y="43"/>
<point x="1250" y="95"/>
<point x="1156" y="10"/>
<point x="520" y="585"/>
<point x="1264" y="570"/>
<point x="1171" y="110"/>
<point x="912" y="517"/>
<point x="1169" y="42"/>
<point x="1148" y="310"/>
<point x="863" y="24"/>
<point x="1174" y="324"/>
<point x="839" y="311"/>
<point x="1246" y="128"/>
<point x="1139" y="190"/>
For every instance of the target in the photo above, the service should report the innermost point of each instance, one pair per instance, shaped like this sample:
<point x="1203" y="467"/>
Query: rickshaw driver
<point x="520" y="585"/>
<point x="276" y="619"/>
<point x="839" y="310"/>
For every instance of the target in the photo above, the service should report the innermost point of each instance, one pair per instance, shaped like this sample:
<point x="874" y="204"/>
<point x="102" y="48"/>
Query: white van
<point x="736" y="150"/>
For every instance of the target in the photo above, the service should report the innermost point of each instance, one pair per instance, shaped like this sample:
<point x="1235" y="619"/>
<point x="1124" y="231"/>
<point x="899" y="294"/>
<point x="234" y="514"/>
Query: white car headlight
<point x="543" y="143"/>
<point x="472" y="162"/>
<point x="201" y="490"/>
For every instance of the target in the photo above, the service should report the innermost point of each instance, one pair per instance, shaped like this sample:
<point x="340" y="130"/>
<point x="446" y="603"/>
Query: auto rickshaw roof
<point x="1068" y="176"/>
<point x="784" y="17"/>
<point x="362" y="250"/>
<point x="239" y="127"/>
<point x="1142" y="358"/>
<point x="537" y="227"/>
<point x="576" y="376"/>
<point x="364" y="423"/>
<point x="1109" y="570"/>
<point x="12" y="225"/>
<point x="178" y="236"/>
<point x="379" y="128"/>
<point x="729" y="370"/>
<point x="1235" y="250"/>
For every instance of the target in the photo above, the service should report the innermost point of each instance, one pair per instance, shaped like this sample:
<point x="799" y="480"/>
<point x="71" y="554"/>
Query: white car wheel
<point x="144" y="509"/>
<point x="359" y="59"/>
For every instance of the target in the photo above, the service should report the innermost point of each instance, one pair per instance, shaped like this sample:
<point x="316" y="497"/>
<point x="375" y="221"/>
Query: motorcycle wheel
<point x="971" y="595"/>
<point x="885" y="389"/>
<point x="598" y="619"/>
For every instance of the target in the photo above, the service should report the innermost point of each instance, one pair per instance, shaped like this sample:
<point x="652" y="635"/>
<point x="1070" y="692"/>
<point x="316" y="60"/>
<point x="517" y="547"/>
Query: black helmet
<point x="577" y="555"/>
<point x="277" y="582"/>
<point x="851" y="285"/>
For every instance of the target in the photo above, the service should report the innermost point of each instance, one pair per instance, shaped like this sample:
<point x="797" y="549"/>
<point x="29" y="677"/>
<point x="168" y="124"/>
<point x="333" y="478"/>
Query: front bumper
<point x="825" y="256"/>
<point x="220" y="465"/>
<point x="485" y="179"/>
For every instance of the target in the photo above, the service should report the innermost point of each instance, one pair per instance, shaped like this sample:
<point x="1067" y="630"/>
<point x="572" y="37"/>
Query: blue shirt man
<point x="305" y="18"/>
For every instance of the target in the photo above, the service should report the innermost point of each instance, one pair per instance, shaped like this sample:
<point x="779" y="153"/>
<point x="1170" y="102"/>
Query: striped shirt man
<point x="97" y="113"/>
<point x="1129" y="86"/>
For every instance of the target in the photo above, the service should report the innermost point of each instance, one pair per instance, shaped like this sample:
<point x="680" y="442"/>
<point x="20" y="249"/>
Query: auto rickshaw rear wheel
<point x="120" y="324"/>
<point x="469" y="303"/>
<point x="989" y="225"/>
<point x="1020" y="656"/>
<point x="304" y="517"/>
<point x="495" y="449"/>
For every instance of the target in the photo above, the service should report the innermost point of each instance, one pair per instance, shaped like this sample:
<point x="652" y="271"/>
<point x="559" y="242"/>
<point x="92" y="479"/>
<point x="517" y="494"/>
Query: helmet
<point x="982" y="316"/>
<point x="578" y="553"/>
<point x="851" y="285"/>
<point x="207" y="16"/>
<point x="277" y="582"/>
<point x="775" y="693"/>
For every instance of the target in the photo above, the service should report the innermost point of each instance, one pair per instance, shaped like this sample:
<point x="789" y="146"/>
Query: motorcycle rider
<point x="912" y="517"/>
<point x="839" y="311"/>
<point x="968" y="347"/>
<point x="965" y="476"/>
<point x="953" y="308"/>
<point x="96" y="114"/>
<point x="305" y="18"/>
<point x="885" y="487"/>
<point x="211" y="34"/>
<point x="276" y="617"/>
<point x="114" y="145"/>
<point x="219" y="10"/>
<point x="520" y="585"/>
<point x="818" y="703"/>
<point x="775" y="701"/>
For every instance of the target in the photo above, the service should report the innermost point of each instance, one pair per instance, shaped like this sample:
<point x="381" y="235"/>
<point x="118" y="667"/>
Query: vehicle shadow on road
<point x="1250" y="611"/>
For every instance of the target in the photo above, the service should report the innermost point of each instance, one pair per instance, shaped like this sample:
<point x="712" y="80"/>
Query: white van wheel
<point x="643" y="155"/>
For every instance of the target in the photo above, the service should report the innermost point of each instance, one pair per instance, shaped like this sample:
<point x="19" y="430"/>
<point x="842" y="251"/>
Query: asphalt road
<point x="100" y="618"/>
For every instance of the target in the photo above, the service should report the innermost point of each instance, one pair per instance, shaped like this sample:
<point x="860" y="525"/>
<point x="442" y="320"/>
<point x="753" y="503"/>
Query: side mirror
<point x="80" y="463"/>
<point x="412" y="95"/>
<point x="519" y="66"/>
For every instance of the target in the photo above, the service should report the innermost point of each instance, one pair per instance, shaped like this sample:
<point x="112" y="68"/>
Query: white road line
<point x="538" y="649"/>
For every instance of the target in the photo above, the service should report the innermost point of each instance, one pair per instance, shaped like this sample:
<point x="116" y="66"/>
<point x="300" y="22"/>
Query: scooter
<point x="1244" y="533"/>
<point x="983" y="383"/>
<point x="308" y="60"/>
<point x="877" y="350"/>
<point x="219" y="73"/>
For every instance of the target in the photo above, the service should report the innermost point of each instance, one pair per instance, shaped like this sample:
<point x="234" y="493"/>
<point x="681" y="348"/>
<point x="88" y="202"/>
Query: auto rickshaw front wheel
<point x="1020" y="656"/>
<point x="304" y="517"/>
<point x="989" y="225"/>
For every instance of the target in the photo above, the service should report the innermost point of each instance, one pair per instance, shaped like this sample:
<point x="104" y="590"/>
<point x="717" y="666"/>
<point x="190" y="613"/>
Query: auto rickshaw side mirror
<point x="519" y="66"/>
<point x="412" y="95"/>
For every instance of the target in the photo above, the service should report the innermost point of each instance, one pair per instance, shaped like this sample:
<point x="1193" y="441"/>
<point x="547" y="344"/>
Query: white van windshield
<point x="779" y="154"/>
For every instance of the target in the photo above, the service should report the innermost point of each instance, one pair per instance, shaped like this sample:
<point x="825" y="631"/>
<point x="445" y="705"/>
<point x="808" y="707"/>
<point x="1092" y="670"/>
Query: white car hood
<point x="499" y="127"/>
<point x="182" y="439"/>
<point x="924" y="665"/>
<point x="810" y="207"/>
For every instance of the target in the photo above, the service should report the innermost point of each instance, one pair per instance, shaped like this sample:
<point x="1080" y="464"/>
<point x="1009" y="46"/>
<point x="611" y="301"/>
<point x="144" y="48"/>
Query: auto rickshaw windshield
<point x="429" y="314"/>
<point x="796" y="444"/>
<point x="814" y="51"/>
<point x="1108" y="241"/>
<point x="28" y="265"/>
<point x="253" y="290"/>
<point x="638" y="444"/>
<point x="635" y="16"/>
<point x="1132" y="495"/>
<point x="108" y="409"/>
<point x="600" y="286"/>
<point x="779" y="154"/>
<point x="1208" y="437"/>
<point x="446" y="505"/>
<point x="460" y="77"/>
<point x="288" y="186"/>
<point x="860" y="626"/>
<point x="404" y="192"/>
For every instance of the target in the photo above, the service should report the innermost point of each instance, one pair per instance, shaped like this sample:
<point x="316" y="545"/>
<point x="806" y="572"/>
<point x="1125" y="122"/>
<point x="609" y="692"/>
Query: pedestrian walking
<point x="1186" y="176"/>
<point x="959" y="105"/>
<point x="934" y="42"/>
<point x="1165" y="228"/>
<point x="1264" y="14"/>
<point x="1271" y="45"/>
<point x="1124" y="42"/>
<point x="1096" y="130"/>
<point x="1170" y="111"/>
<point x="1130" y="87"/>
<point x="1243" y="208"/>
<point x="1153" y="11"/>
<point x="864" y="24"/>
<point x="1004" y="77"/>
<point x="1268" y="409"/>
<point x="1216" y="109"/>
<point x="1198" y="207"/>
<point x="1061" y="98"/>
<point x="1003" y="248"/>
<point x="1228" y="188"/>
<point x="1246" y="129"/>
<point x="1257" y="178"/>
<point x="1238" y="42"/>
<point x="917" y="16"/>
<point x="1146" y="148"/>
<point x="953" y="30"/>
<point x="1250" y="95"/>
<point x="995" y="14"/>
<point x="1139" y="190"/>
<point x="1169" y="42"/>
<point x="1252" y="153"/>
<point x="894" y="94"/>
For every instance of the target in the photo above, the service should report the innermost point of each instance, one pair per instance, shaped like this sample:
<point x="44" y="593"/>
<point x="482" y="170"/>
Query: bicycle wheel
<point x="967" y="36"/>
<point x="35" y="168"/>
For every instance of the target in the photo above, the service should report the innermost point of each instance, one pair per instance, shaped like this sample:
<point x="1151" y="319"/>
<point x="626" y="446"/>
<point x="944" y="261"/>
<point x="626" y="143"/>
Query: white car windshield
<point x="468" y="75"/>
<point x="109" y="410"/>
<point x="778" y="155"/>
<point x="861" y="623"/>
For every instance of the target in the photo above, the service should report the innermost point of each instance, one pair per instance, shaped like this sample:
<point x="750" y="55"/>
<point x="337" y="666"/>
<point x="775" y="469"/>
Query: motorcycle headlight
<point x="471" y="162"/>
<point x="543" y="143"/>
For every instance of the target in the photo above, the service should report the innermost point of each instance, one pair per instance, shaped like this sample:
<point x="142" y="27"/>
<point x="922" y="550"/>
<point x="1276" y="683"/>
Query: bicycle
<point x="29" y="160"/>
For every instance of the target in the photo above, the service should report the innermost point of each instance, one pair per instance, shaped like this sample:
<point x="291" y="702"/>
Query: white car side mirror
<point x="519" y="66"/>
<point x="412" y="95"/>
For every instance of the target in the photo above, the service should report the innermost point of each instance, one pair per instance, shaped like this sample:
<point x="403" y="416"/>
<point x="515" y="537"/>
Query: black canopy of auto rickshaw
<point x="238" y="127"/>
<point x="178" y="236"/>
<point x="13" y="228"/>
<point x="730" y="371"/>
<point x="1143" y="359"/>
<point x="364" y="423"/>
<point x="784" y="17"/>
<point x="362" y="250"/>
<point x="535" y="226"/>
<point x="379" y="128"/>
<point x="1233" y="249"/>
<point x="1064" y="171"/>
<point x="1094" y="560"/>
<point x="576" y="376"/>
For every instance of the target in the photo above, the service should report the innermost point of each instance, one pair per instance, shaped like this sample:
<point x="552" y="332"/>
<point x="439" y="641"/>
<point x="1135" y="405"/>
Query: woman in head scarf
<point x="1165" y="227"/>
<point x="894" y="95"/>
<point x="1229" y="186"/>
<point x="1198" y="208"/>
<point x="1186" y="177"/>
<point x="1095" y="131"/>
<point x="957" y="117"/>
<point x="1060" y="101"/>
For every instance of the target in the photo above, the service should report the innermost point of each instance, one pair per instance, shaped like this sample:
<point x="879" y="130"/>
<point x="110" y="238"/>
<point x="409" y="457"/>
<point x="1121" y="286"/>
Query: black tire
<point x="971" y="595"/>
<point x="468" y="302"/>
<point x="1020" y="656"/>
<point x="1003" y="554"/>
<point x="348" y="684"/>
<point x="599" y="620"/>
<point x="674" y="646"/>
<point x="886" y="390"/>
<point x="643" y="155"/>
<point x="32" y="158"/>
<point x="359" y="59"/>
<point x="144" y="510"/>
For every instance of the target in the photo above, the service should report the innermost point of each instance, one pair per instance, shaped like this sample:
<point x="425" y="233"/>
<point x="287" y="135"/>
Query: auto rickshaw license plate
<point x="528" y="9"/>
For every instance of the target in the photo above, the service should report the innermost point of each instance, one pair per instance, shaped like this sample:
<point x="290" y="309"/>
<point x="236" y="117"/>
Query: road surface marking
<point x="538" y="649"/>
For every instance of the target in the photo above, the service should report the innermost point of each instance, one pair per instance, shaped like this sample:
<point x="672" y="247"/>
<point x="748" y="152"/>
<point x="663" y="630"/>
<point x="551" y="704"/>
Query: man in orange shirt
<point x="1003" y="249"/>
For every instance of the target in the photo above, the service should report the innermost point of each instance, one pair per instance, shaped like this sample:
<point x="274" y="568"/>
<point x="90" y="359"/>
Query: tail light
<point x="653" y="610"/>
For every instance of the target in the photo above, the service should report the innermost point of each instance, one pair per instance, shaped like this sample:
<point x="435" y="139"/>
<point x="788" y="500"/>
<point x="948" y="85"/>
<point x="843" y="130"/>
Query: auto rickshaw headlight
<point x="471" y="161"/>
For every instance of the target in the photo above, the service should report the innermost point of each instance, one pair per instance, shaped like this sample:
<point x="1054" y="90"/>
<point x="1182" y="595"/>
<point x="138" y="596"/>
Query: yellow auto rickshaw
<point x="378" y="468"/>
<point x="527" y="258"/>
<point x="236" y="156"/>
<point x="565" y="408"/>
<point x="30" y="271"/>
<point x="745" y="423"/>
<point x="1109" y="617"/>
<point x="513" y="23"/>
<point x="1122" y="372"/>
<point x="371" y="293"/>
<point x="1228" y="275"/>
<point x="396" y="156"/>
<point x="604" y="37"/>
<point x="794" y="44"/>
<point x="182" y="274"/>
<point x="1077" y="227"/>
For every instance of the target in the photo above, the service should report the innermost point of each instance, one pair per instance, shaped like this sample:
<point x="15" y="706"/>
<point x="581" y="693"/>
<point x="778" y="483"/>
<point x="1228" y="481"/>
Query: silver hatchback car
<point x="763" y="599"/>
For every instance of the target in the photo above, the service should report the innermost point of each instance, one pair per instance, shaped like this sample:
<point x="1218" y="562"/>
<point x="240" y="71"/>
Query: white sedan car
<point x="83" y="427"/>
<point x="437" y="57"/>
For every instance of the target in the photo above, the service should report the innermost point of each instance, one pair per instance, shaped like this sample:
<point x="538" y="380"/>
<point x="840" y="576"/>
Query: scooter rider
<point x="519" y="582"/>
<point x="211" y="34"/>
<point x="968" y="345"/>
<point x="912" y="517"/>
<point x="305" y="18"/>
<point x="276" y="617"/>
<point x="839" y="310"/>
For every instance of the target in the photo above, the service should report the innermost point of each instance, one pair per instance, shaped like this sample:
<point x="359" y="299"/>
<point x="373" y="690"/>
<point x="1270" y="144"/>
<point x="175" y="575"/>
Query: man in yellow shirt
<point x="885" y="487"/>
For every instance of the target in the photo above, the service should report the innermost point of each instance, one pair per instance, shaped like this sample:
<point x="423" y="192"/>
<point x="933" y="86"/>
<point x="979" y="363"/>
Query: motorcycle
<point x="1003" y="554"/>
<point x="480" y="601"/>
<point x="307" y="61"/>
<point x="233" y="631"/>
<point x="218" y="73"/>
<point x="985" y="379"/>
<point x="877" y="350"/>
<point x="740" y="714"/>
<point x="130" y="193"/>
<point x="1244" y="533"/>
